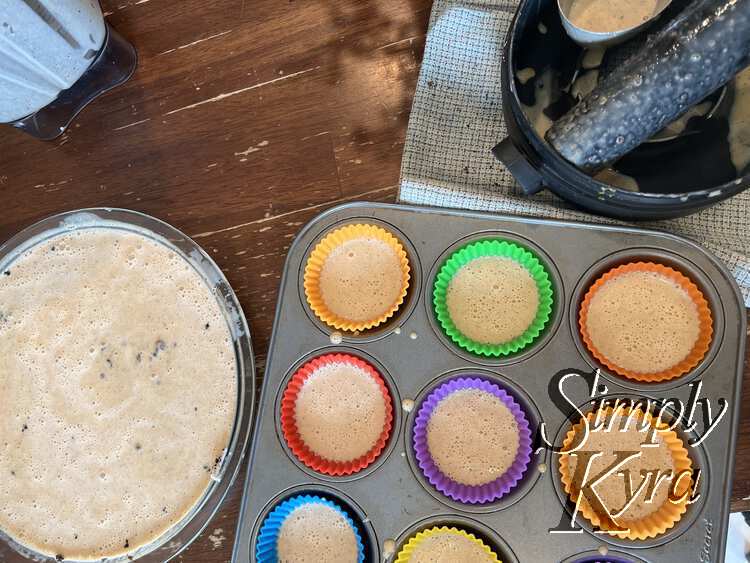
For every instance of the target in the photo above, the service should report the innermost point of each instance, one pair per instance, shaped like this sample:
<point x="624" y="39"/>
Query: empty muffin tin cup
<point x="291" y="431"/>
<point x="497" y="248"/>
<point x="266" y="547"/>
<point x="471" y="494"/>
<point x="705" y="322"/>
<point x="316" y="262"/>
<point x="405" y="555"/>
<point x="659" y="521"/>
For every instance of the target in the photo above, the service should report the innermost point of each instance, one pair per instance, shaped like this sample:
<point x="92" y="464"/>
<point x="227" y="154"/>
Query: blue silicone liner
<point x="265" y="547"/>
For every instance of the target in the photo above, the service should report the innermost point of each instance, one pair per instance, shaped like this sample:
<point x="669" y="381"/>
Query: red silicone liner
<point x="289" y="424"/>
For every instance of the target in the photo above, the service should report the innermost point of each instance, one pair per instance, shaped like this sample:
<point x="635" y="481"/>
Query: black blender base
<point x="114" y="64"/>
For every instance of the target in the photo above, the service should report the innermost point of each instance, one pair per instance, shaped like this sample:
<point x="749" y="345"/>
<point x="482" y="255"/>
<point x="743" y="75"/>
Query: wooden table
<point x="244" y="120"/>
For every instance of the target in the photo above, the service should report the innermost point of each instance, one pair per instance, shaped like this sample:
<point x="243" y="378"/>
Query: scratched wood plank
<point x="264" y="108"/>
<point x="244" y="120"/>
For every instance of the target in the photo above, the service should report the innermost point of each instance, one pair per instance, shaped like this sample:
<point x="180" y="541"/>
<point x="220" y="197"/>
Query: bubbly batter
<point x="613" y="490"/>
<point x="316" y="533"/>
<point x="643" y="322"/>
<point x="472" y="437"/>
<point x="492" y="299"/>
<point x="118" y="384"/>
<point x="446" y="547"/>
<point x="340" y="412"/>
<point x="361" y="279"/>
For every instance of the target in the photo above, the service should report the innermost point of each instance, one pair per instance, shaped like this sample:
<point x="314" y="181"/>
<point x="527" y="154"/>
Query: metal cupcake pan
<point x="391" y="499"/>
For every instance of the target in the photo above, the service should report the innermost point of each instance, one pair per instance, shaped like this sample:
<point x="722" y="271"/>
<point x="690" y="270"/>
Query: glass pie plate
<point x="182" y="534"/>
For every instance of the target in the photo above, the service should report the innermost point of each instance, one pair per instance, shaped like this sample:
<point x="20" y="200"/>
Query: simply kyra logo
<point x="624" y="461"/>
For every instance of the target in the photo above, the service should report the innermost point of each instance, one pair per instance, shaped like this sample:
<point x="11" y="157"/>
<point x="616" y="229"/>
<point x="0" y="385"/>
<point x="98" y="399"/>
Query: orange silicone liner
<point x="700" y="347"/>
<point x="318" y="258"/>
<point x="289" y="424"/>
<point x="659" y="521"/>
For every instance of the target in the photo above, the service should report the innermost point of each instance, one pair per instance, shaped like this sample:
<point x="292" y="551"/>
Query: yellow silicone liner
<point x="658" y="521"/>
<point x="404" y="556"/>
<point x="318" y="258"/>
<point x="696" y="354"/>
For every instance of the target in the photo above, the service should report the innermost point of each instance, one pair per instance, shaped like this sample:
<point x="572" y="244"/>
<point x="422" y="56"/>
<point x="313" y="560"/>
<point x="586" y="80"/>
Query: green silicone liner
<point x="502" y="248"/>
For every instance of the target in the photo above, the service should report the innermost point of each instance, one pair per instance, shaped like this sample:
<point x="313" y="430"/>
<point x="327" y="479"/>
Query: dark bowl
<point x="676" y="176"/>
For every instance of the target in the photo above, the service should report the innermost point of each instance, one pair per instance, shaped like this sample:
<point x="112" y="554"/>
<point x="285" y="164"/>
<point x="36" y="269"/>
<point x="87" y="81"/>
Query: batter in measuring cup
<point x="119" y="385"/>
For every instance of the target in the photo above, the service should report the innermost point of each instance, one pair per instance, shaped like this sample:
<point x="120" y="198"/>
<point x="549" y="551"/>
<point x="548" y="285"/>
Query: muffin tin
<point x="390" y="499"/>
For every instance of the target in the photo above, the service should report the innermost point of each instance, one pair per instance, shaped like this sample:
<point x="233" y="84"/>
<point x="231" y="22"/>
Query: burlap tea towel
<point x="457" y="118"/>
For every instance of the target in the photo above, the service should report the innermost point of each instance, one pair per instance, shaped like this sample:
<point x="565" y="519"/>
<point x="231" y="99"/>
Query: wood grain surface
<point x="244" y="120"/>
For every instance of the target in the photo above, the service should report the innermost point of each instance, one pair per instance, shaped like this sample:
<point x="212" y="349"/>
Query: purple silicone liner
<point x="471" y="494"/>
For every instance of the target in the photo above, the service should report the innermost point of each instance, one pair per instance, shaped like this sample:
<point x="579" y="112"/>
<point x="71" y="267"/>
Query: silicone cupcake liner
<point x="318" y="258"/>
<point x="471" y="494"/>
<point x="658" y="521"/>
<point x="406" y="552"/>
<point x="289" y="425"/>
<point x="498" y="248"/>
<point x="704" y="315"/>
<point x="265" y="547"/>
